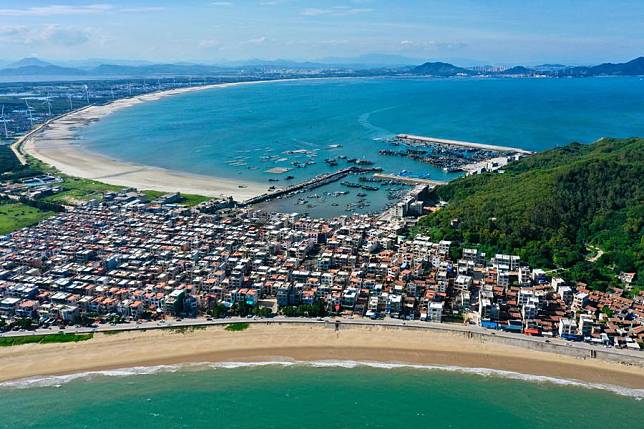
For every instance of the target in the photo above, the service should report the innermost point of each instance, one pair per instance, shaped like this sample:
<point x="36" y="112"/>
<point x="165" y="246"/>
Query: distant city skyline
<point x="460" y="31"/>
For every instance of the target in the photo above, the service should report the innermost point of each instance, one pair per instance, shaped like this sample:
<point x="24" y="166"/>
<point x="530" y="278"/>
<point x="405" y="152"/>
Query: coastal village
<point x="125" y="258"/>
<point x="421" y="213"/>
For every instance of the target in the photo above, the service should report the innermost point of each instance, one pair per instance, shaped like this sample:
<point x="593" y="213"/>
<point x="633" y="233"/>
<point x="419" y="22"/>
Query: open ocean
<point x="315" y="395"/>
<point x="243" y="131"/>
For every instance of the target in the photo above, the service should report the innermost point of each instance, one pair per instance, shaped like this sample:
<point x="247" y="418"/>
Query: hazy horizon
<point x="465" y="32"/>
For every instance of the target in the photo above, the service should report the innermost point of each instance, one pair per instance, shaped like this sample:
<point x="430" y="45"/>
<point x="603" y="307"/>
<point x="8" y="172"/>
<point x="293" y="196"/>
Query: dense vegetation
<point x="8" y="160"/>
<point x="43" y="339"/>
<point x="305" y="310"/>
<point x="235" y="327"/>
<point x="556" y="209"/>
<point x="11" y="168"/>
<point x="240" y="309"/>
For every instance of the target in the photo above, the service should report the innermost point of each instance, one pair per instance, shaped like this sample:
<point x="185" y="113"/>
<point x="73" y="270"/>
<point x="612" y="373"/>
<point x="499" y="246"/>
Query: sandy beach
<point x="302" y="343"/>
<point x="55" y="143"/>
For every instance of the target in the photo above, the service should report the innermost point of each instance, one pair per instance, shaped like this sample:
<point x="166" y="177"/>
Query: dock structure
<point x="408" y="180"/>
<point x="411" y="138"/>
<point x="315" y="182"/>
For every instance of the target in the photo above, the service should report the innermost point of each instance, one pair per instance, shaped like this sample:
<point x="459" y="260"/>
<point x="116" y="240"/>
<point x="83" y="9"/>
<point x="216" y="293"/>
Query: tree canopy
<point x="555" y="209"/>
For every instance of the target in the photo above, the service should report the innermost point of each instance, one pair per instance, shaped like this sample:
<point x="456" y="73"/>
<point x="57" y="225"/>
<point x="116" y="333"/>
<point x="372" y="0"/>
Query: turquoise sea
<point x="243" y="131"/>
<point x="315" y="395"/>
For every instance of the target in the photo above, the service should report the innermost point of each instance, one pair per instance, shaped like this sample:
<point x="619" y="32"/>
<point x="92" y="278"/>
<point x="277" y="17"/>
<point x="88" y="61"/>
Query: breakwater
<point x="410" y="138"/>
<point x="315" y="182"/>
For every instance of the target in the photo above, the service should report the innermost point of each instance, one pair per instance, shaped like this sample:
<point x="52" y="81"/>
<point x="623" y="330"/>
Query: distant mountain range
<point x="364" y="65"/>
<point x="632" y="68"/>
<point x="441" y="69"/>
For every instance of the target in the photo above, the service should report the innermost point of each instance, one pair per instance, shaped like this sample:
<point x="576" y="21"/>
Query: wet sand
<point x="302" y="343"/>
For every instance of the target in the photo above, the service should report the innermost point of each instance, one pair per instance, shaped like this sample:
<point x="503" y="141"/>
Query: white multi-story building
<point x="462" y="283"/>
<point x="580" y="301"/>
<point x="435" y="311"/>
<point x="567" y="327"/>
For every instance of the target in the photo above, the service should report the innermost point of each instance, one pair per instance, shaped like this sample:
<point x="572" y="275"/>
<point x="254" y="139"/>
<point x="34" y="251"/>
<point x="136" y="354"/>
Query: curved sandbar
<point x="55" y="144"/>
<point x="304" y="342"/>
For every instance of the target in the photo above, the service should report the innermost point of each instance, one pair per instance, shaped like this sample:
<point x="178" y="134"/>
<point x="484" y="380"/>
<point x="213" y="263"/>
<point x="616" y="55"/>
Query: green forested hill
<point x="555" y="209"/>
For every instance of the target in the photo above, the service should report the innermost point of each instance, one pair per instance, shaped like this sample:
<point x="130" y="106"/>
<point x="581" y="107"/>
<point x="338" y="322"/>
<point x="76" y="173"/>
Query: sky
<point x="465" y="32"/>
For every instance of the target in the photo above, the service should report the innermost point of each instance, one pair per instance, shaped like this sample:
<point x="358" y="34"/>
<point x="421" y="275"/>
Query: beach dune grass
<point x="44" y="339"/>
<point x="235" y="327"/>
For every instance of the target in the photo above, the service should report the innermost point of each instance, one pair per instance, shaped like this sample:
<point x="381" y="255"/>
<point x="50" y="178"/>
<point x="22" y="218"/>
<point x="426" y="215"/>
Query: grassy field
<point x="78" y="190"/>
<point x="43" y="339"/>
<point x="187" y="199"/>
<point x="75" y="189"/>
<point x="14" y="216"/>
<point x="235" y="327"/>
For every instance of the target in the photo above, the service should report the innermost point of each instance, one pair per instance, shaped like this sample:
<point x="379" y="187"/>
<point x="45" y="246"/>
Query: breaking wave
<point x="59" y="380"/>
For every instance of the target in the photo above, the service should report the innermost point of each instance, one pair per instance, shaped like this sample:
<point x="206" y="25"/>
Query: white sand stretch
<point x="55" y="144"/>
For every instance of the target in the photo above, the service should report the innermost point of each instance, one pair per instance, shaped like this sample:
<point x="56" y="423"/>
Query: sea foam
<point x="59" y="380"/>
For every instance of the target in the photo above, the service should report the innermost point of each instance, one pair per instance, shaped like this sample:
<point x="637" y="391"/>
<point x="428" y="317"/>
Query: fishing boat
<point x="364" y="162"/>
<point x="370" y="188"/>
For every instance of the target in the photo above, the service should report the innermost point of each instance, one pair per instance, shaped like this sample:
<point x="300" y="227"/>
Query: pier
<point x="408" y="180"/>
<point x="315" y="182"/>
<point x="411" y="138"/>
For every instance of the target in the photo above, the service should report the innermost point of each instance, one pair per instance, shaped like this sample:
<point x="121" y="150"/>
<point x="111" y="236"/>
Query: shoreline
<point x="304" y="343"/>
<point x="55" y="144"/>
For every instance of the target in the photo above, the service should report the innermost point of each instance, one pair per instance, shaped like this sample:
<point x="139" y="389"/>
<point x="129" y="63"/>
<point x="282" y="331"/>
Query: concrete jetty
<point x="411" y="138"/>
<point x="315" y="182"/>
<point x="409" y="180"/>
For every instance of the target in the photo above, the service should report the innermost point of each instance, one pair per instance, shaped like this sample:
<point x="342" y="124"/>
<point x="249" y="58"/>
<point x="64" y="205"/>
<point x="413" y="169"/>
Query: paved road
<point x="387" y="322"/>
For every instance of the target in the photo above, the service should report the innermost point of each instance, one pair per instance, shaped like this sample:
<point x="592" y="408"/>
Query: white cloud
<point x="57" y="10"/>
<point x="335" y="11"/>
<point x="10" y="31"/>
<point x="315" y="12"/>
<point x="51" y="34"/>
<point x="209" y="44"/>
<point x="256" y="40"/>
<point x="222" y="3"/>
<point x="142" y="9"/>
<point x="431" y="45"/>
<point x="65" y="36"/>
